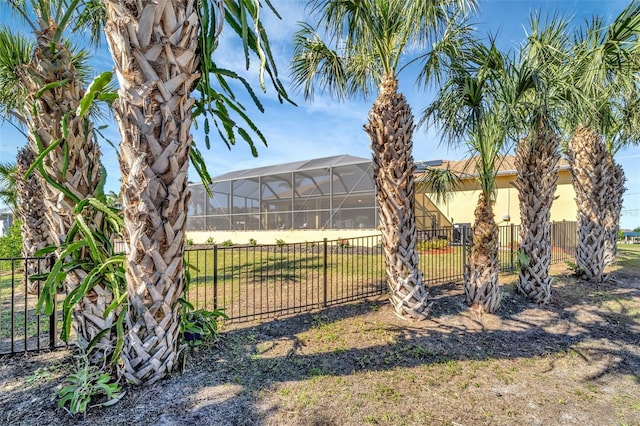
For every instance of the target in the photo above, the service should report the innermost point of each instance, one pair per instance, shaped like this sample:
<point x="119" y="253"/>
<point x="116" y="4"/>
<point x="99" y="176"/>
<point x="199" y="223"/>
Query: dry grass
<point x="574" y="362"/>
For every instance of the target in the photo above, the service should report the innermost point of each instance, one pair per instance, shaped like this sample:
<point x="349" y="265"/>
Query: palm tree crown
<point x="371" y="39"/>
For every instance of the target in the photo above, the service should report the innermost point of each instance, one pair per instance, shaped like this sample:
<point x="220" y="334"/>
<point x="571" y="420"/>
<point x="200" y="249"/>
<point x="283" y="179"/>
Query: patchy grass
<point x="573" y="362"/>
<point x="629" y="256"/>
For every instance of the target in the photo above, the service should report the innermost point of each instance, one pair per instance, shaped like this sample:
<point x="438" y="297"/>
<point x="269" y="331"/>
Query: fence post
<point x="215" y="277"/>
<point x="52" y="317"/>
<point x="463" y="239"/>
<point x="511" y="241"/>
<point x="324" y="273"/>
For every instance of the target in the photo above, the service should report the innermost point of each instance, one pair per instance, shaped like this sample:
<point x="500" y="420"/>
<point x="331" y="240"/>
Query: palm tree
<point x="470" y="108"/>
<point x="52" y="85"/>
<point x="605" y="69"/>
<point x="162" y="52"/>
<point x="590" y="168"/>
<point x="372" y="37"/>
<point x="24" y="194"/>
<point x="539" y="96"/>
<point x="622" y="132"/>
<point x="31" y="211"/>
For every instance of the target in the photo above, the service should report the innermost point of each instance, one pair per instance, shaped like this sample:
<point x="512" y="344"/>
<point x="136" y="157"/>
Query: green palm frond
<point x="453" y="42"/>
<point x="313" y="61"/>
<point x="605" y="67"/>
<point x="66" y="14"/>
<point x="489" y="145"/>
<point x="441" y="183"/>
<point x="8" y="185"/>
<point x="91" y="19"/>
<point x="218" y="105"/>
<point x="15" y="53"/>
<point x="472" y="109"/>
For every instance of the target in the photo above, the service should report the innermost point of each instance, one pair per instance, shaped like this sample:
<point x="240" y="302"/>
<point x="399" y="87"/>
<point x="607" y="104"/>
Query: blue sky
<point x="326" y="127"/>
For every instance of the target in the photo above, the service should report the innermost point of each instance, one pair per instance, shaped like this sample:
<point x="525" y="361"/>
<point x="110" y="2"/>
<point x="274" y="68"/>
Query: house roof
<point x="466" y="168"/>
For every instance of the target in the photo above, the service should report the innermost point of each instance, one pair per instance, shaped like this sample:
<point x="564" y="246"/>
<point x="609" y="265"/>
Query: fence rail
<point x="262" y="281"/>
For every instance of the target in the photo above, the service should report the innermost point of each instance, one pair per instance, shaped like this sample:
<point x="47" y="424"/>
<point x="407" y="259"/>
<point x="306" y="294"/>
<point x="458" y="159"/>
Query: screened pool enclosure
<point x="325" y="193"/>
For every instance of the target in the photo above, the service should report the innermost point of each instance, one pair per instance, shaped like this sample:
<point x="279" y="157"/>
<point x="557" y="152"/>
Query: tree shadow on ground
<point x="228" y="383"/>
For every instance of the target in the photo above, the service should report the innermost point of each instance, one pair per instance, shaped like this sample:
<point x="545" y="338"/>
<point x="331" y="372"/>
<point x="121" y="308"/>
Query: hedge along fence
<point x="265" y="281"/>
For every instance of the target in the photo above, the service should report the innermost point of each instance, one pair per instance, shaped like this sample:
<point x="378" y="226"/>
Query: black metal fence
<point x="252" y="282"/>
<point x="262" y="281"/>
<point x="22" y="327"/>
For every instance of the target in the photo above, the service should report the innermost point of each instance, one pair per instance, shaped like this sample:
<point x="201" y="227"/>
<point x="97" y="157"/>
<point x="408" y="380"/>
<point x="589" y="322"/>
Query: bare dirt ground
<point x="574" y="362"/>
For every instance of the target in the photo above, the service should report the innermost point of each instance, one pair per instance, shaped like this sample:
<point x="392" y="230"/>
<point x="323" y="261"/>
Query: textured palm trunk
<point x="390" y="128"/>
<point x="31" y="211"/>
<point x="481" y="278"/>
<point x="590" y="170"/>
<point x="154" y="47"/>
<point x="536" y="180"/>
<point x="73" y="164"/>
<point x="615" y="192"/>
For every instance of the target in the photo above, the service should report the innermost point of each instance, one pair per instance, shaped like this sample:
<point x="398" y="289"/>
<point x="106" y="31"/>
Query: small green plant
<point x="280" y="242"/>
<point x="210" y="240"/>
<point x="227" y="243"/>
<point x="199" y="325"/>
<point x="574" y="267"/>
<point x="343" y="242"/>
<point x="253" y="242"/>
<point x="188" y="242"/>
<point x="523" y="260"/>
<point x="85" y="385"/>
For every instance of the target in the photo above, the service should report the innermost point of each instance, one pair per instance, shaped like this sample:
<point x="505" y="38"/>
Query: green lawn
<point x="275" y="277"/>
<point x="629" y="256"/>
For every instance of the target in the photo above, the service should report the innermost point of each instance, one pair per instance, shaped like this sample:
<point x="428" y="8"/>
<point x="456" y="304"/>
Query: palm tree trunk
<point x="590" y="170"/>
<point x="536" y="181"/>
<point x="615" y="192"/>
<point x="31" y="211"/>
<point x="73" y="168"/>
<point x="481" y="278"/>
<point x="154" y="46"/>
<point x="390" y="128"/>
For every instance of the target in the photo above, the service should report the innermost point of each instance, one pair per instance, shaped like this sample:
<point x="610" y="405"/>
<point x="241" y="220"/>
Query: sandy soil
<point x="574" y="362"/>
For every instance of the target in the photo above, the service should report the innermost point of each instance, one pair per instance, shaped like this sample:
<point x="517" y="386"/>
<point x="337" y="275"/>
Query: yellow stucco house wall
<point x="460" y="208"/>
<point x="429" y="215"/>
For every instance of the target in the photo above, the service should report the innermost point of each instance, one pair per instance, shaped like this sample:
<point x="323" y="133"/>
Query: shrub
<point x="434" y="244"/>
<point x="210" y="240"/>
<point x="280" y="242"/>
<point x="11" y="243"/>
<point x="227" y="243"/>
<point x="253" y="242"/>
